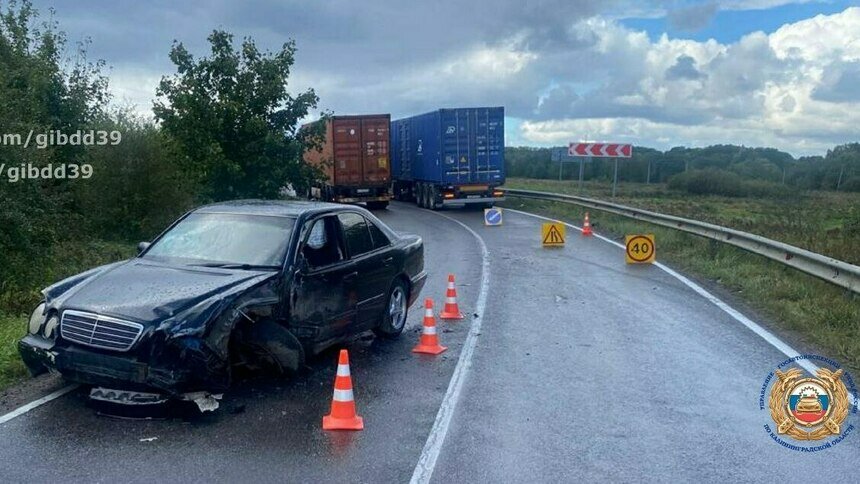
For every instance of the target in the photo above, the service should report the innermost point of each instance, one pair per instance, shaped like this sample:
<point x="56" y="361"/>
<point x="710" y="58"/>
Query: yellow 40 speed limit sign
<point x="640" y="249"/>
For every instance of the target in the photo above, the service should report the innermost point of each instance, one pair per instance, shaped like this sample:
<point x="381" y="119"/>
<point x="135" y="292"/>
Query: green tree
<point x="234" y="121"/>
<point x="37" y="94"/>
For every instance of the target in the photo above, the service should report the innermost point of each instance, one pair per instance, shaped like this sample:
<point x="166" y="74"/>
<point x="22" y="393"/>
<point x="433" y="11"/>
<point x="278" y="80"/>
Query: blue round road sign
<point x="493" y="216"/>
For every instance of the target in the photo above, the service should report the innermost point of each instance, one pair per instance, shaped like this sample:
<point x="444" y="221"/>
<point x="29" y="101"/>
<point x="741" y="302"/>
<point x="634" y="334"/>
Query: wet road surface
<point x="585" y="369"/>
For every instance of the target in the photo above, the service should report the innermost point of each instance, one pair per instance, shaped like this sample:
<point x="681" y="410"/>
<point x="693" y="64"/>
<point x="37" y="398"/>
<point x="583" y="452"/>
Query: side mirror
<point x="142" y="247"/>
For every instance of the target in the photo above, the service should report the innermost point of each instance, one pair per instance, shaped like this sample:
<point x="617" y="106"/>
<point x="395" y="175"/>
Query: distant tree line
<point x="839" y="169"/>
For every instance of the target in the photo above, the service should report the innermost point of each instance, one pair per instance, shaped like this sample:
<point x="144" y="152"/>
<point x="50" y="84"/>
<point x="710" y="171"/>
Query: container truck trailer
<point x="355" y="160"/>
<point x="449" y="157"/>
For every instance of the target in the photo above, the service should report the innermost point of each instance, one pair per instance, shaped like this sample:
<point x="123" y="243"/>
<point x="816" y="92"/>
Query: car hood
<point x="148" y="291"/>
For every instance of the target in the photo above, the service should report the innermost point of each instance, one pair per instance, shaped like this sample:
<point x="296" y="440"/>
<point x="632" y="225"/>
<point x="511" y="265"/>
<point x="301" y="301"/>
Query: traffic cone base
<point x="429" y="350"/>
<point x="456" y="315"/>
<point x="334" y="423"/>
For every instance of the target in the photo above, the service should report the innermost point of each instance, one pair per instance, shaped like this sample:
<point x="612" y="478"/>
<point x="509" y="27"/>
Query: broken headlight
<point x="36" y="319"/>
<point x="51" y="326"/>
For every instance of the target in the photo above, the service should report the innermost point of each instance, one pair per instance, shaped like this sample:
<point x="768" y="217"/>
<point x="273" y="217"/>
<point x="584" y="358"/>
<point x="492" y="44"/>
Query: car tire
<point x="395" y="312"/>
<point x="273" y="348"/>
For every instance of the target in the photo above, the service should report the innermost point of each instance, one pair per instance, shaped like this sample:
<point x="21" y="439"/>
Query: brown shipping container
<point x="355" y="155"/>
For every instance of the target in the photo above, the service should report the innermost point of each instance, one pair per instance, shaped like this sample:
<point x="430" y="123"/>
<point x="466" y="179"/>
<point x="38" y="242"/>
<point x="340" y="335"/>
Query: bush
<point x="712" y="181"/>
<point x="709" y="182"/>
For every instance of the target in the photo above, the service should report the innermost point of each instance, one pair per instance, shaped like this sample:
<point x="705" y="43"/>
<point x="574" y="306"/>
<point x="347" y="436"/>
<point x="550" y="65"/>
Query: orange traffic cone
<point x="429" y="342"/>
<point x="342" y="416"/>
<point x="451" y="310"/>
<point x="586" y="226"/>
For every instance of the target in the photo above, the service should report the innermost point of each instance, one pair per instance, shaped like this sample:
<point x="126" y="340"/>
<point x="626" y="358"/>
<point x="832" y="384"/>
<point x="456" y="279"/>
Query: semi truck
<point x="355" y="160"/>
<point x="449" y="157"/>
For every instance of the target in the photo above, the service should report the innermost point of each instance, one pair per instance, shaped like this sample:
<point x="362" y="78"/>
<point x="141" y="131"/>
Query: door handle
<point x="350" y="276"/>
<point x="388" y="260"/>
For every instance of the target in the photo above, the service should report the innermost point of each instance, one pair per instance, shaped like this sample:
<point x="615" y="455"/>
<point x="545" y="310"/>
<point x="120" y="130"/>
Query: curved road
<point x="585" y="368"/>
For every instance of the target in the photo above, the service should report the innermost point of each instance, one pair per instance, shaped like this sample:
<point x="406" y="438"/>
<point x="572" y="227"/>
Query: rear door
<point x="490" y="145"/>
<point x="346" y="133"/>
<point x="374" y="262"/>
<point x="457" y="147"/>
<point x="375" y="150"/>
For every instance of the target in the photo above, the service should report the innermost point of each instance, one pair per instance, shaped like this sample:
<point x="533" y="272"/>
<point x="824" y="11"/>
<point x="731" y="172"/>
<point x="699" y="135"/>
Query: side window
<point x="355" y="233"/>
<point x="322" y="247"/>
<point x="379" y="237"/>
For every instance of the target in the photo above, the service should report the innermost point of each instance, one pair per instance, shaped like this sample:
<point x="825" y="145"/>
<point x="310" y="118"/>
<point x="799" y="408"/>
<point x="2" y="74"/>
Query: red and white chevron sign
<point x="605" y="150"/>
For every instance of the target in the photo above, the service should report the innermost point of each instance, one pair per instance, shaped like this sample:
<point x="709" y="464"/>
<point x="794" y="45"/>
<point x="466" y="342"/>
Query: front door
<point x="324" y="298"/>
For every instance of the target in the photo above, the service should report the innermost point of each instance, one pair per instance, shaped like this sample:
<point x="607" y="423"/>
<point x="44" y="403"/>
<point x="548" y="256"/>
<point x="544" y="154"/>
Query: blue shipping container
<point x="448" y="150"/>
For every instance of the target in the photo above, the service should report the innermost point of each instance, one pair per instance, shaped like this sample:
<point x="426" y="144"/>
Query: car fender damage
<point x="193" y="353"/>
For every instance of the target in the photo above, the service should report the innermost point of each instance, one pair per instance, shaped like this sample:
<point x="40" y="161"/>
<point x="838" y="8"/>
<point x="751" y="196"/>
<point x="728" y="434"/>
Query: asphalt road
<point x="585" y="369"/>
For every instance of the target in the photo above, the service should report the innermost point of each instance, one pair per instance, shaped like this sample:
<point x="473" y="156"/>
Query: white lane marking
<point x="35" y="403"/>
<point x="433" y="446"/>
<point x="734" y="313"/>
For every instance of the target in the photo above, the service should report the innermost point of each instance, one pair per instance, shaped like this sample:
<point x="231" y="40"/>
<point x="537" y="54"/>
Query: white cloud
<point x="134" y="87"/>
<point x="564" y="76"/>
<point x="795" y="89"/>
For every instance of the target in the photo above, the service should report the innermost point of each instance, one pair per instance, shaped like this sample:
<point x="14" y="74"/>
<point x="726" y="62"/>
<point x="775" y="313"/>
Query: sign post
<point x="602" y="150"/>
<point x="615" y="178"/>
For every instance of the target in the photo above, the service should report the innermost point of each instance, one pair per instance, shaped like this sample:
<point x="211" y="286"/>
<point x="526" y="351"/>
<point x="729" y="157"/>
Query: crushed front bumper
<point x="173" y="376"/>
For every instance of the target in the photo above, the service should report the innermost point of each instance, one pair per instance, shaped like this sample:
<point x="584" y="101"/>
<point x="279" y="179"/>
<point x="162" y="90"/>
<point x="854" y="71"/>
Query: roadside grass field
<point x="12" y="369"/>
<point x="65" y="260"/>
<point x="816" y="313"/>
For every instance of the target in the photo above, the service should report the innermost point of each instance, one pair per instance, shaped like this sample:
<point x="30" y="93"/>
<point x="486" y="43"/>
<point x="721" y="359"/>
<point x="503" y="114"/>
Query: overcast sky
<point x="775" y="73"/>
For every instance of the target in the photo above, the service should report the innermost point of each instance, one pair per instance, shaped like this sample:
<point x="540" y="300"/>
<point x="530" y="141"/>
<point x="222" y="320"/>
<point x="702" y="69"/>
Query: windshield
<point x="225" y="239"/>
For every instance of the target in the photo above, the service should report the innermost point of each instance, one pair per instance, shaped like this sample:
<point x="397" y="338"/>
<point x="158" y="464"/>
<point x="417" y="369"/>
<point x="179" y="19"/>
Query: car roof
<point x="274" y="208"/>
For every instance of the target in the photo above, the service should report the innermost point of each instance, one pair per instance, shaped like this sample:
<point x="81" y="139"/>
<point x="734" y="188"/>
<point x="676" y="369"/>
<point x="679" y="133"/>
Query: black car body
<point x="155" y="323"/>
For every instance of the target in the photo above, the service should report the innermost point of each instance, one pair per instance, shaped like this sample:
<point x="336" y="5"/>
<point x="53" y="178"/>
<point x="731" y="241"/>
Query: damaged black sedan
<point x="241" y="284"/>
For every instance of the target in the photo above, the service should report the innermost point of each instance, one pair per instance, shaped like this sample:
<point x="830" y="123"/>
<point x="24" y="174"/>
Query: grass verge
<point x="818" y="314"/>
<point x="65" y="260"/>
<point x="12" y="369"/>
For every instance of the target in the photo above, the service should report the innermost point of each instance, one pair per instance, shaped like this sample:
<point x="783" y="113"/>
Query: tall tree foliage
<point x="234" y="120"/>
<point x="38" y="94"/>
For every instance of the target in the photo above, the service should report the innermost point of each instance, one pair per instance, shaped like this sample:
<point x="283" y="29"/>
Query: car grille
<point x="99" y="331"/>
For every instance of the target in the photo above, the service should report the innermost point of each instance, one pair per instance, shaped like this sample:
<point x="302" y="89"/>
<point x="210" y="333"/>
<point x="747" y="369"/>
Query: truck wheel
<point x="377" y="205"/>
<point x="271" y="348"/>
<point x="394" y="316"/>
<point x="431" y="198"/>
<point x="419" y="195"/>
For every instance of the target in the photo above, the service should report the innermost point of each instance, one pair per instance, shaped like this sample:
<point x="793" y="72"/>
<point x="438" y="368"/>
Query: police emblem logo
<point x="809" y="408"/>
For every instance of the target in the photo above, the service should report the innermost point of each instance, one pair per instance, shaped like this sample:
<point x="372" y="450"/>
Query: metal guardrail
<point x="827" y="268"/>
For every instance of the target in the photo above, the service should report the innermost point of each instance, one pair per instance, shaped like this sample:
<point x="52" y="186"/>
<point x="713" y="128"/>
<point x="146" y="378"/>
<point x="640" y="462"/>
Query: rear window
<point x="356" y="233"/>
<point x="379" y="238"/>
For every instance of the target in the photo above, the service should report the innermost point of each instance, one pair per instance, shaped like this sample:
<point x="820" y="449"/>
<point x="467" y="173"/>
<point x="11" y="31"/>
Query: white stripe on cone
<point x="429" y="329"/>
<point x="342" y="370"/>
<point x="343" y="395"/>
<point x="428" y="313"/>
<point x="450" y="300"/>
